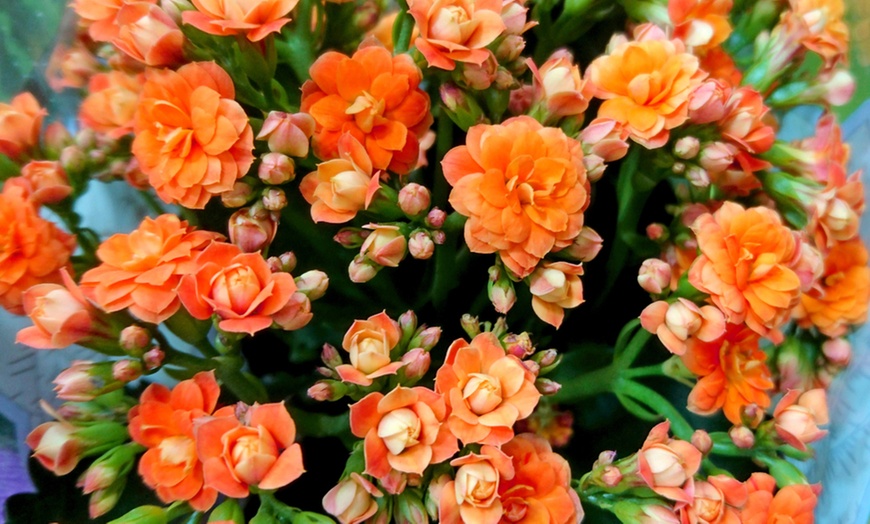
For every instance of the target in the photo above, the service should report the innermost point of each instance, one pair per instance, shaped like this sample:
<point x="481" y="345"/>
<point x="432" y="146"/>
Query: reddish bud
<point x="414" y="199"/>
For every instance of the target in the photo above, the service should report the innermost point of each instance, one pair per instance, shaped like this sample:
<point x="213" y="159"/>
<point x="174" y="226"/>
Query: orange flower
<point x="343" y="186"/>
<point x="523" y="187"/>
<point x="163" y="422"/>
<point x="32" y="249"/>
<point x="559" y="87"/>
<point x="255" y="20"/>
<point x="540" y="490"/>
<point x="237" y="287"/>
<point x="258" y="450"/>
<point x="99" y="16"/>
<point x="702" y="24"/>
<point x="486" y="390"/>
<point x="473" y="496"/>
<point x="56" y="447"/>
<point x="193" y="140"/>
<point x="403" y="430"/>
<point x="745" y="266"/>
<point x="44" y="181"/>
<point x="840" y="299"/>
<point x="668" y="465"/>
<point x="733" y="373"/>
<point x="456" y="30"/>
<point x="719" y="64"/>
<point x="677" y="322"/>
<point x="744" y="126"/>
<point x="798" y="416"/>
<point x="369" y="343"/>
<point x="20" y="123"/>
<point x="374" y="96"/>
<point x="149" y="35"/>
<point x="792" y="504"/>
<point x="352" y="500"/>
<point x="646" y="86"/>
<point x="110" y="106"/>
<point x="556" y="286"/>
<point x="716" y="501"/>
<point x="140" y="270"/>
<point x="821" y="27"/>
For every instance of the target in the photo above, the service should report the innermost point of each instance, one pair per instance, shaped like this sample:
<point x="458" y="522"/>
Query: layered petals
<point x="255" y="20"/>
<point x="456" y="30"/>
<point x="369" y="343"/>
<point x="20" y="123"/>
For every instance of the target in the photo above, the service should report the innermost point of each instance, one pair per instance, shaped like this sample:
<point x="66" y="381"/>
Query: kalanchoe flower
<point x="276" y="168"/>
<point x="352" y="501"/>
<point x="555" y="286"/>
<point x="742" y="437"/>
<point x="44" y="182"/>
<point x="795" y="502"/>
<point x="369" y="343"/>
<point x="473" y="496"/>
<point x="235" y="17"/>
<point x="654" y="276"/>
<point x="669" y="465"/>
<point x="798" y="415"/>
<point x="287" y="133"/>
<point x="559" y="89"/>
<point x="59" y="445"/>
<point x="148" y="35"/>
<point x="414" y="199"/>
<point x="420" y="245"/>
<point x="716" y="500"/>
<point x="674" y="323"/>
<point x="20" y="123"/>
<point x="386" y="245"/>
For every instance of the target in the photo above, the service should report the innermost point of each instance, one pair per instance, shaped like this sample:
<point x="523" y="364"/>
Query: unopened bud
<point x="361" y="270"/>
<point x="408" y="322"/>
<point x="462" y="108"/>
<point x="351" y="237"/>
<point x="126" y="370"/>
<point x="274" y="199"/>
<point x="153" y="358"/>
<point x="427" y="338"/>
<point x="435" y="218"/>
<point x="687" y="147"/>
<point x="253" y="229"/>
<point x="288" y="133"/>
<point x="742" y="437"/>
<point x="698" y="176"/>
<point x="533" y="367"/>
<point x="501" y="290"/>
<point x="439" y="237"/>
<point x="284" y="263"/>
<point x="838" y="351"/>
<point x="416" y="363"/>
<point x="547" y="358"/>
<point x="414" y="199"/>
<point x="752" y="415"/>
<point x="654" y="276"/>
<point x="657" y="232"/>
<point x="547" y="387"/>
<point x="470" y="324"/>
<point x="701" y="440"/>
<point x="586" y="246"/>
<point x="519" y="345"/>
<point x="605" y="458"/>
<point x="327" y="390"/>
<point x="717" y="157"/>
<point x="73" y="159"/>
<point x="276" y="168"/>
<point x="239" y="195"/>
<point x="611" y="476"/>
<point x="134" y="339"/>
<point x="313" y="283"/>
<point x="420" y="245"/>
<point x="330" y="356"/>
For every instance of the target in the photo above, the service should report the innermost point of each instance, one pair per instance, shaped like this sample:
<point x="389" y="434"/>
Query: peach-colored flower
<point x="404" y="430"/>
<point x="835" y="213"/>
<point x="702" y="24"/>
<point x="32" y="249"/>
<point x="237" y="287"/>
<point x="646" y="86"/>
<point x="20" y="123"/>
<point x="456" y="30"/>
<point x="163" y="422"/>
<point x="99" y="16"/>
<point x="386" y="245"/>
<point x="733" y="373"/>
<point x="255" y="20"/>
<point x="343" y="186"/>
<point x="678" y="321"/>
<point x="473" y="495"/>
<point x="256" y="451"/>
<point x="288" y="133"/>
<point x="61" y="315"/>
<point x="559" y="87"/>
<point x="523" y="187"/>
<point x="798" y="416"/>
<point x="141" y="269"/>
<point x="792" y="504"/>
<point x="821" y="27"/>
<point x="351" y="501"/>
<point x="374" y="96"/>
<point x="716" y="501"/>
<point x="193" y="140"/>
<point x="668" y="465"/>
<point x="71" y="65"/>
<point x="44" y="181"/>
<point x="744" y="126"/>
<point x="555" y="286"/>
<point x="841" y="297"/>
<point x="745" y="266"/>
<point x="540" y="490"/>
<point x="149" y="35"/>
<point x="369" y="343"/>
<point x="486" y="390"/>
<point x="110" y="106"/>
<point x="55" y="446"/>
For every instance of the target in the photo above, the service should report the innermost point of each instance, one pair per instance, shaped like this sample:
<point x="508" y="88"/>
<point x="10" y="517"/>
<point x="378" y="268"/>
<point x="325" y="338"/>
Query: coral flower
<point x="798" y="416"/>
<point x="540" y="490"/>
<point x="110" y="106"/>
<point x="716" y="501"/>
<point x="733" y="373"/>
<point x="374" y="96"/>
<point x="646" y="86"/>
<point x="140" y="270"/>
<point x="473" y="496"/>
<point x="45" y="181"/>
<point x="745" y="266"/>
<point x="193" y="140"/>
<point x="555" y="286"/>
<point x="32" y="249"/>
<point x="99" y="16"/>
<point x="149" y="35"/>
<point x="841" y="297"/>
<point x="821" y="27"/>
<point x="61" y="315"/>
<point x="20" y="123"/>
<point x="352" y="501"/>
<point x="743" y="125"/>
<point x="237" y="287"/>
<point x="792" y="504"/>
<point x="702" y="24"/>
<point x="487" y="390"/>
<point x="163" y="422"/>
<point x="456" y="30"/>
<point x="55" y="446"/>
<point x="254" y="19"/>
<point x="257" y="451"/>
<point x="369" y="343"/>
<point x="523" y="187"/>
<point x="559" y="87"/>
<point x="403" y="430"/>
<point x="675" y="323"/>
<point x="668" y="465"/>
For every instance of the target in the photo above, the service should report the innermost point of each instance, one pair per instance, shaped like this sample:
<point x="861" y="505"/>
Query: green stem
<point x="649" y="397"/>
<point x="240" y="384"/>
<point x="402" y="29"/>
<point x="646" y="371"/>
<point x="586" y="385"/>
<point x="624" y="359"/>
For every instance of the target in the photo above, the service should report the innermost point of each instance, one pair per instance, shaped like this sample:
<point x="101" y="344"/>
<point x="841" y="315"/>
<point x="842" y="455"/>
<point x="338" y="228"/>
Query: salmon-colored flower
<point x="702" y="24"/>
<point x="55" y="447"/>
<point x="32" y="249"/>
<point x="559" y="87"/>
<point x="255" y="20"/>
<point x="646" y="86"/>
<point x="369" y="343"/>
<point x="71" y="65"/>
<point x="745" y="266"/>
<point x="44" y="181"/>
<point x="149" y="35"/>
<point x="486" y="390"/>
<point x="733" y="373"/>
<point x="835" y="213"/>
<point x="99" y="16"/>
<point x="841" y="297"/>
<point x="473" y="495"/>
<point x="716" y="501"/>
<point x="791" y="504"/>
<point x="676" y="322"/>
<point x="237" y="287"/>
<point x="140" y="270"/>
<point x="374" y="96"/>
<point x="720" y="66"/>
<point x="193" y="140"/>
<point x="798" y="416"/>
<point x="555" y="286"/>
<point x="343" y="186"/>
<point x="743" y="125"/>
<point x="110" y="106"/>
<point x="163" y="422"/>
<point x="523" y="187"/>
<point x="288" y="133"/>
<point x="456" y="30"/>
<point x="20" y="123"/>
<point x="668" y="465"/>
<point x="386" y="245"/>
<point x="257" y="450"/>
<point x="821" y="27"/>
<point x="540" y="490"/>
<point x="352" y="501"/>
<point x="404" y="430"/>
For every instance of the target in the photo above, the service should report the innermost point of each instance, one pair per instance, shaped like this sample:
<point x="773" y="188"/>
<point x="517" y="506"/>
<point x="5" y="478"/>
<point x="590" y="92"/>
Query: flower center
<point x="366" y="110"/>
<point x="178" y="451"/>
<point x="399" y="429"/>
<point x="482" y="393"/>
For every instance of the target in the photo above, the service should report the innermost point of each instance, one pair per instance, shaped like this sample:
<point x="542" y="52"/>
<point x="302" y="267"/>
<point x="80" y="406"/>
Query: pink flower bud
<point x="654" y="276"/>
<point x="707" y="102"/>
<point x="72" y="158"/>
<point x="414" y="199"/>
<point x="238" y="196"/>
<point x="439" y="237"/>
<point x="559" y="86"/>
<point x="436" y="217"/>
<point x="480" y="76"/>
<point x="798" y="416"/>
<point x="312" y="283"/>
<point x="327" y="390"/>
<point x="547" y="387"/>
<point x="611" y="476"/>
<point x="427" y="338"/>
<point x="416" y="363"/>
<point x="385" y="246"/>
<point x="605" y="138"/>
<point x="296" y="314"/>
<point x="687" y="147"/>
<point x="742" y="437"/>
<point x="501" y="290"/>
<point x="586" y="246"/>
<point x="253" y="228"/>
<point x="47" y="180"/>
<point x="56" y="137"/>
<point x="470" y="324"/>
<point x="605" y="458"/>
<point x="361" y="270"/>
<point x="286" y="262"/>
<point x="276" y="168"/>
<point x="420" y="245"/>
<point x="511" y="47"/>
<point x="657" y="232"/>
<point x="77" y="383"/>
<point x="330" y="356"/>
<point x="595" y="167"/>
<point x="134" y="339"/>
<point x="547" y="357"/>
<point x="433" y="494"/>
<point x="274" y="199"/>
<point x="698" y="176"/>
<point x="351" y="501"/>
<point x="126" y="370"/>
<point x="717" y="157"/>
<point x="752" y="415"/>
<point x="701" y="440"/>
<point x="838" y="351"/>
<point x="153" y="358"/>
<point x="533" y="367"/>
<point x="351" y="237"/>
<point x="809" y="267"/>
<point x="521" y="100"/>
<point x="288" y="133"/>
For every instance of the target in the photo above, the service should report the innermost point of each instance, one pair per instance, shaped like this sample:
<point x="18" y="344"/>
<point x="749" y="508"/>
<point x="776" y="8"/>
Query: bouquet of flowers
<point x="438" y="260"/>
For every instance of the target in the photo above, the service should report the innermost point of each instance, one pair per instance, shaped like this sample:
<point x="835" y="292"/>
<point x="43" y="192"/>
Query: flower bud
<point x="533" y="367"/>
<point x="698" y="176"/>
<point x="153" y="358"/>
<point x="511" y="47"/>
<point x="351" y="237"/>
<point x="72" y="158"/>
<point x="253" y="228"/>
<point x="701" y="440"/>
<point x="126" y="370"/>
<point x="586" y="246"/>
<point x="84" y="381"/>
<point x="46" y="181"/>
<point x="414" y="199"/>
<point x="274" y="199"/>
<point x="361" y="270"/>
<point x="654" y="276"/>
<point x="742" y="437"/>
<point x="288" y="133"/>
<point x="752" y="415"/>
<point x="547" y="358"/>
<point x="327" y="390"/>
<point x="420" y="245"/>
<point x="134" y="339"/>
<point x="145" y="515"/>
<point x="500" y="290"/>
<point x="838" y="351"/>
<point x="106" y="470"/>
<point x="605" y="458"/>
<point x="285" y="262"/>
<point x="408" y="323"/>
<point x="605" y="138"/>
<point x="462" y="108"/>
<point x="687" y="147"/>
<point x="351" y="501"/>
<point x="238" y="196"/>
<point x="657" y="232"/>
<point x="439" y="237"/>
<point x="312" y="283"/>
<point x="227" y="512"/>
<point x="416" y="364"/>
<point x="427" y="338"/>
<point x="611" y="476"/>
<point x="470" y="324"/>
<point x="385" y="246"/>
<point x="330" y="356"/>
<point x="717" y="157"/>
<point x="519" y="345"/>
<point x="276" y="169"/>
<point x="480" y="76"/>
<point x="433" y="495"/>
<point x="547" y="387"/>
<point x="410" y="509"/>
<point x="436" y="217"/>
